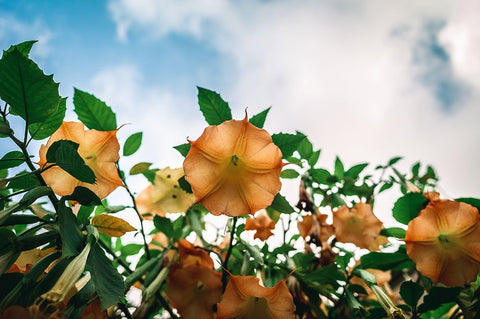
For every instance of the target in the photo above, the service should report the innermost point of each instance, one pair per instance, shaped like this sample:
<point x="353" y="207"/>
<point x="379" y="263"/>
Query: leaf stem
<point x="229" y="253"/>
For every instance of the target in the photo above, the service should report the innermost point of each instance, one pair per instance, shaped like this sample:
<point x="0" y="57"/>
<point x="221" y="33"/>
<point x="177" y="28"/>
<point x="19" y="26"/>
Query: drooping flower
<point x="262" y="224"/>
<point x="245" y="298"/>
<point x="98" y="149"/>
<point x="189" y="254"/>
<point x="234" y="168"/>
<point x="165" y="195"/>
<point x="316" y="226"/>
<point x="444" y="242"/>
<point x="357" y="225"/>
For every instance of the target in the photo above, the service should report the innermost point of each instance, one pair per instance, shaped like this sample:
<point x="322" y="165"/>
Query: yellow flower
<point x="165" y="195"/>
<point x="444" y="242"/>
<point x="262" y="224"/>
<point x="234" y="168"/>
<point x="357" y="225"/>
<point x="98" y="149"/>
<point x="244" y="298"/>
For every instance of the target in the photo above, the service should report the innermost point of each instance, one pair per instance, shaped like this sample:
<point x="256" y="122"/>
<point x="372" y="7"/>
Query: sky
<point x="365" y="80"/>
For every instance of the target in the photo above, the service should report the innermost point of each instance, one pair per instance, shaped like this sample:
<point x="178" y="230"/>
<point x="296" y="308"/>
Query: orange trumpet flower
<point x="444" y="242"/>
<point x="262" y="224"/>
<point x="234" y="168"/>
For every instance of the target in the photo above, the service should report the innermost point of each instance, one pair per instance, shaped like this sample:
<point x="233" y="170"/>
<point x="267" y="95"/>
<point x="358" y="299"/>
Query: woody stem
<point x="229" y="252"/>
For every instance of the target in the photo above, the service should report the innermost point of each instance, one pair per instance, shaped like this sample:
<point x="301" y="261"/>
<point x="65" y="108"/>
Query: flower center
<point x="446" y="240"/>
<point x="234" y="159"/>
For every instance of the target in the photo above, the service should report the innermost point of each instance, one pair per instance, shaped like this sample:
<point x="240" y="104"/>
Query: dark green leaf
<point x="339" y="168"/>
<point x="330" y="274"/>
<point x="139" y="168"/>
<point x="407" y="207"/>
<point x="29" y="198"/>
<point x="182" y="182"/>
<point x="259" y="119"/>
<point x="358" y="311"/>
<point x="214" y="108"/>
<point x="28" y="91"/>
<point x="27" y="181"/>
<point x="132" y="144"/>
<point x="281" y="204"/>
<point x="394" y="160"/>
<point x="42" y="130"/>
<point x="355" y="170"/>
<point x="24" y="47"/>
<point x="475" y="202"/>
<point x="386" y="261"/>
<point x="393" y="232"/>
<point x="183" y="149"/>
<point x="438" y="296"/>
<point x="288" y="143"/>
<point x="150" y="175"/>
<point x="322" y="176"/>
<point x="70" y="233"/>
<point x="11" y="159"/>
<point x="164" y="225"/>
<point x="416" y="169"/>
<point x="289" y="173"/>
<point x="84" y="213"/>
<point x="344" y="259"/>
<point x="108" y="282"/>
<point x="93" y="112"/>
<point x="64" y="154"/>
<point x="84" y="196"/>
<point x="411" y="292"/>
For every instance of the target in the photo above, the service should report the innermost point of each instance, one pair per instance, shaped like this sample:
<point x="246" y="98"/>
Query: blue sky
<point x="365" y="80"/>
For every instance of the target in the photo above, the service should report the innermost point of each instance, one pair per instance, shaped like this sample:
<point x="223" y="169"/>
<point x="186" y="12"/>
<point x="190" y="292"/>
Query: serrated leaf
<point x="24" y="47"/>
<point x="132" y="144"/>
<point x="11" y="159"/>
<point x="281" y="204"/>
<point x="408" y="206"/>
<point x="93" y="112"/>
<point x="64" y="154"/>
<point x="111" y="226"/>
<point x="289" y="173"/>
<point x="214" y="108"/>
<point x="183" y="149"/>
<point x="259" y="119"/>
<point x="139" y="168"/>
<point x="355" y="170"/>
<point x="108" y="282"/>
<point x="45" y="129"/>
<point x="287" y="143"/>
<point x="26" y="89"/>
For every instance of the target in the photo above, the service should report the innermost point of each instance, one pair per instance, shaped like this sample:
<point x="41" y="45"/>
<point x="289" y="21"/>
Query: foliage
<point x="66" y="255"/>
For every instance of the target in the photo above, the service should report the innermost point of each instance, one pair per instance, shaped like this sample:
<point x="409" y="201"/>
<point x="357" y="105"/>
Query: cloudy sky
<point x="365" y="80"/>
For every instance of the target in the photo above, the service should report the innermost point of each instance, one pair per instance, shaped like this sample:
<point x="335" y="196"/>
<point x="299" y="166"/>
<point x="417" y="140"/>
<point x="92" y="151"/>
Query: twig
<point x="229" y="252"/>
<point x="125" y="310"/>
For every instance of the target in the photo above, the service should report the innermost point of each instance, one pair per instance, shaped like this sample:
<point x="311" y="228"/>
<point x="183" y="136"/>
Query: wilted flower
<point x="98" y="149"/>
<point x="357" y="225"/>
<point x="245" y="298"/>
<point x="165" y="195"/>
<point x="444" y="242"/>
<point x="262" y="224"/>
<point x="234" y="168"/>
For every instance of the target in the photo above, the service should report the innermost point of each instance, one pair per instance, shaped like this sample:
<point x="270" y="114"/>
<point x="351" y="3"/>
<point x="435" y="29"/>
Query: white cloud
<point x="343" y="73"/>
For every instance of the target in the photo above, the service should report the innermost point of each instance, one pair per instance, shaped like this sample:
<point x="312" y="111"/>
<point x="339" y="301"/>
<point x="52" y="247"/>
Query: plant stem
<point x="229" y="252"/>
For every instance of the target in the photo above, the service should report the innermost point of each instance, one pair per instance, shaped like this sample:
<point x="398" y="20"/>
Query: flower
<point x="98" y="149"/>
<point x="444" y="242"/>
<point x="189" y="254"/>
<point x="357" y="225"/>
<point x="165" y="195"/>
<point x="245" y="298"/>
<point x="262" y="224"/>
<point x="315" y="226"/>
<point x="234" y="168"/>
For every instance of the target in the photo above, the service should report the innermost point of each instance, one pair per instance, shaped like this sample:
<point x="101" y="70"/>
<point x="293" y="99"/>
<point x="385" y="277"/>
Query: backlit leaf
<point x="288" y="143"/>
<point x="183" y="149"/>
<point x="214" y="108"/>
<point x="139" y="168"/>
<point x="11" y="159"/>
<point x="132" y="144"/>
<point x="111" y="226"/>
<point x="259" y="119"/>
<point x="42" y="130"/>
<point x="93" y="112"/>
<point x="407" y="207"/>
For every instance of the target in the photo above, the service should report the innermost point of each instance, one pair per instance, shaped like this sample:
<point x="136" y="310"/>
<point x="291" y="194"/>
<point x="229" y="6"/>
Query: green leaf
<point x="330" y="274"/>
<point x="411" y="293"/>
<point x="288" y="143"/>
<point x="26" y="89"/>
<point x="108" y="282"/>
<point x="139" y="168"/>
<point x="281" y="204"/>
<point x="289" y="173"/>
<point x="26" y="181"/>
<point x="12" y="159"/>
<point x="182" y="182"/>
<point x="24" y="47"/>
<point x="386" y="261"/>
<point x="93" y="112"/>
<point x="214" y="108"/>
<point x="407" y="207"/>
<point x="259" y="119"/>
<point x="385" y="186"/>
<point x="42" y="130"/>
<point x="84" y="196"/>
<point x="339" y="168"/>
<point x="183" y="149"/>
<point x="132" y="144"/>
<point x="84" y="213"/>
<point x="394" y="160"/>
<point x="438" y="296"/>
<point x="29" y="198"/>
<point x="164" y="225"/>
<point x="367" y="276"/>
<point x="358" y="311"/>
<point x="355" y="170"/>
<point x="64" y="154"/>
<point x="322" y="176"/>
<point x="393" y="232"/>
<point x="70" y="233"/>
<point x="475" y="202"/>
